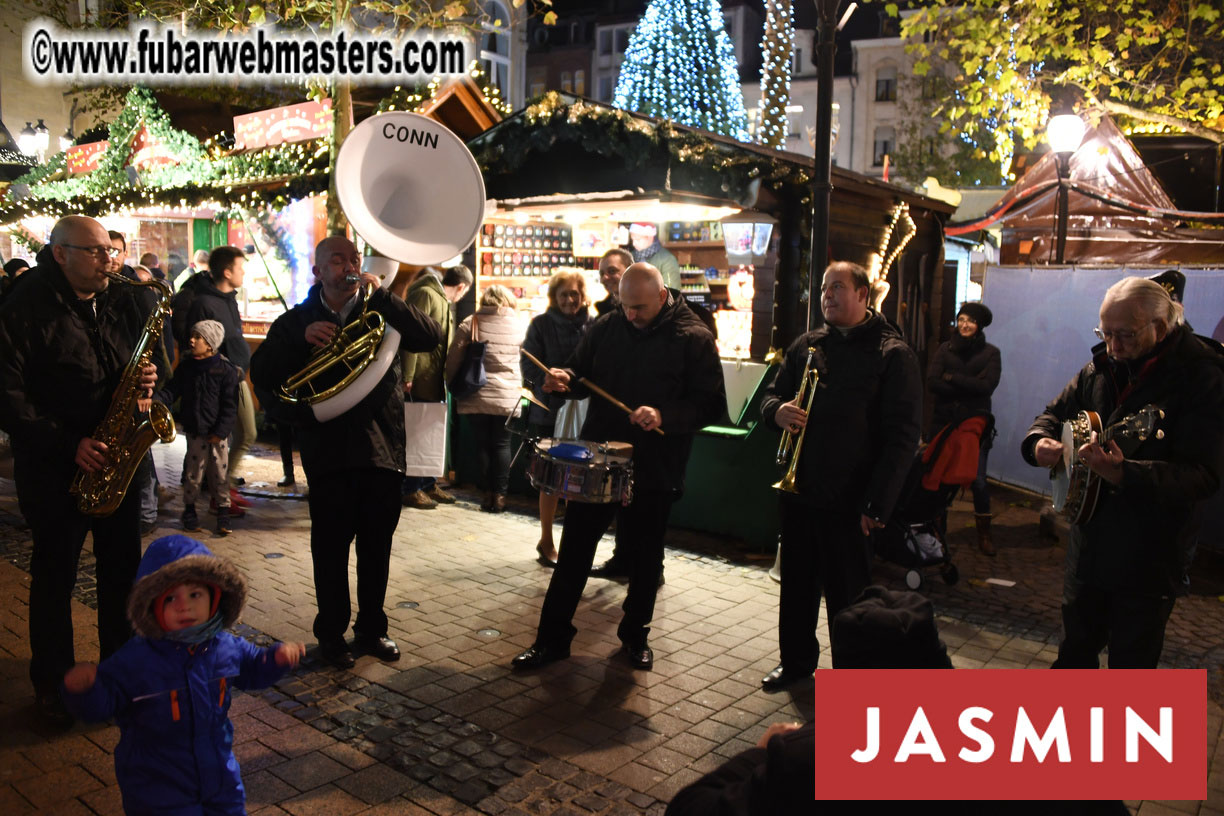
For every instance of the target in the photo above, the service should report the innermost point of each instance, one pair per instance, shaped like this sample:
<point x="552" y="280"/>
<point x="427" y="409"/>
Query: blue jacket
<point x="171" y="700"/>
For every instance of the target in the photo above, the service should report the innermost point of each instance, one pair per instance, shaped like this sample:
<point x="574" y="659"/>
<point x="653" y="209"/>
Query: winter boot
<point x="223" y="521"/>
<point x="983" y="533"/>
<point x="191" y="522"/>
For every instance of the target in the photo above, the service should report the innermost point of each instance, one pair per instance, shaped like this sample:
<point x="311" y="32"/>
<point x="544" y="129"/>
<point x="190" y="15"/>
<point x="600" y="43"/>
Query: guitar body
<point x="1076" y="489"/>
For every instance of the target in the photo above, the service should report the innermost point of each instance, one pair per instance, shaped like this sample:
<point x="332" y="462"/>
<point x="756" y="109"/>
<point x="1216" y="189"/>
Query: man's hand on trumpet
<point x="556" y="380"/>
<point x="791" y="417"/>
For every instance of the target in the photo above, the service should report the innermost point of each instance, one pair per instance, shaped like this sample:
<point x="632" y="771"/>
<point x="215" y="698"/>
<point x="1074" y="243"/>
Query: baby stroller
<point x="916" y="537"/>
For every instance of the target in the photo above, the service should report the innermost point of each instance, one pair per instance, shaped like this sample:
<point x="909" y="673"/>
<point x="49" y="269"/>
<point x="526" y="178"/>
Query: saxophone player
<point x="354" y="462"/>
<point x="861" y="436"/>
<point x="66" y="337"/>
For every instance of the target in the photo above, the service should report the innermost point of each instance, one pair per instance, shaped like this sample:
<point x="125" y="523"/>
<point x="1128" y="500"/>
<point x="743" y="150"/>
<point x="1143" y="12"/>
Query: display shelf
<point x="694" y="245"/>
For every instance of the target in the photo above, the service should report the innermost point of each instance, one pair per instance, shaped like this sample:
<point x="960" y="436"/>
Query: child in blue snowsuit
<point x="169" y="687"/>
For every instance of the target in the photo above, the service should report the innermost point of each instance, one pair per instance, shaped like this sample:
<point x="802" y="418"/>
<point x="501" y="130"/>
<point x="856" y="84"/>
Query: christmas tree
<point x="680" y="66"/>
<point x="777" y="43"/>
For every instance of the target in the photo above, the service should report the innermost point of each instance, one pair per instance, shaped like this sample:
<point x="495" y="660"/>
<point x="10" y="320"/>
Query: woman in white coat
<point x="497" y="324"/>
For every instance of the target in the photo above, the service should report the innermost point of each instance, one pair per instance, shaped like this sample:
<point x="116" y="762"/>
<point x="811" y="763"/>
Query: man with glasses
<point x="1129" y="561"/>
<point x="65" y="338"/>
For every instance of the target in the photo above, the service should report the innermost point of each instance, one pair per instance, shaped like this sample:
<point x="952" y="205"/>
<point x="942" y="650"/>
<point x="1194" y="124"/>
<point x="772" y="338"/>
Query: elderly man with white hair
<point x="1128" y="562"/>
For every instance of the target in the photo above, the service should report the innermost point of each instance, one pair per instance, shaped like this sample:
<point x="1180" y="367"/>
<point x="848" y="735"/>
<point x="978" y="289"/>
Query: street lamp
<point x="43" y="139"/>
<point x="27" y="140"/>
<point x="1064" y="133"/>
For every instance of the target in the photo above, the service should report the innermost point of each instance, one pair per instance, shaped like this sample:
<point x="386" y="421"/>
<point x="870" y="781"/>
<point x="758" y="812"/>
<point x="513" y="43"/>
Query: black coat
<point x="551" y="339"/>
<point x="863" y="429"/>
<point x="1142" y="535"/>
<point x="60" y="361"/>
<point x="371" y="433"/>
<point x="208" y="389"/>
<point x="962" y="376"/>
<point x="212" y="304"/>
<point x="671" y="365"/>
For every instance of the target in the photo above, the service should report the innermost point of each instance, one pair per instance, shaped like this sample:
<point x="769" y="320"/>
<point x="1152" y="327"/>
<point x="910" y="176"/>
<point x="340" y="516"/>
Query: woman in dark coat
<point x="962" y="376"/>
<point x="551" y="338"/>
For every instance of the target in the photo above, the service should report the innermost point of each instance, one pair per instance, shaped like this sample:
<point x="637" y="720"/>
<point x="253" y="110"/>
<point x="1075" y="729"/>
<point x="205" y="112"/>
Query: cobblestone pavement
<point x="448" y="729"/>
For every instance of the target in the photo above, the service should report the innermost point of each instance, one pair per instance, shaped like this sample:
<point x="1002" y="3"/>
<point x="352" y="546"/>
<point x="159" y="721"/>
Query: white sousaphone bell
<point x="413" y="191"/>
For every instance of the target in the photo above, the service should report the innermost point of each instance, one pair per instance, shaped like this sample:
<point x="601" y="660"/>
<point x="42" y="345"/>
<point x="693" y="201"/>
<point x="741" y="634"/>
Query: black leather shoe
<point x="537" y="657"/>
<point x="51" y="709"/>
<point x="781" y="677"/>
<point x="337" y="653"/>
<point x="640" y="657"/>
<point x="383" y="648"/>
<point x="611" y="569"/>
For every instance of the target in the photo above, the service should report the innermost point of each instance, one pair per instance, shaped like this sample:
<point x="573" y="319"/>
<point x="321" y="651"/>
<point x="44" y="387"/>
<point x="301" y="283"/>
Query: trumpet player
<point x="66" y="336"/>
<point x="855" y="435"/>
<point x="354" y="462"/>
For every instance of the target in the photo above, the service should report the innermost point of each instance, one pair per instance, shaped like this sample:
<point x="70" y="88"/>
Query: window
<point x="886" y="84"/>
<point x="537" y="82"/>
<point x="495" y="46"/>
<point x="605" y="42"/>
<point x="797" y="61"/>
<point x="885" y="143"/>
<point x="567" y="82"/>
<point x="607" y="87"/>
<point x="933" y="85"/>
<point x="580" y="83"/>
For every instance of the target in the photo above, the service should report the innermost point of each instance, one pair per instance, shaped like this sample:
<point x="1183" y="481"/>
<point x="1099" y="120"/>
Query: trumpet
<point x="791" y="444"/>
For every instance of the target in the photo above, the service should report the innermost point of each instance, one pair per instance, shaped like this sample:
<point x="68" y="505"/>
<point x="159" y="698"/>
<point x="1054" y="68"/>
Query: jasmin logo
<point x="1011" y="735"/>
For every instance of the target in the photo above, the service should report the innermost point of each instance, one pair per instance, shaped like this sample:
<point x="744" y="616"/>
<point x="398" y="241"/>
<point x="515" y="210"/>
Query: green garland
<point x="711" y="166"/>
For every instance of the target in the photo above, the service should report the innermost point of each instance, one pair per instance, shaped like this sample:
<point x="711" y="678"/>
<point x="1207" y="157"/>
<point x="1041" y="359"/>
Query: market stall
<point x="735" y="216"/>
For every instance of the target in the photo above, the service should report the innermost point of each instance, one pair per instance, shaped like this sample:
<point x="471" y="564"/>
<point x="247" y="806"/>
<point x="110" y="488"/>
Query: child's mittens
<point x="290" y="654"/>
<point x="80" y="678"/>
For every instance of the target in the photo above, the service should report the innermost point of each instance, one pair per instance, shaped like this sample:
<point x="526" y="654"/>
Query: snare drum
<point x="574" y="469"/>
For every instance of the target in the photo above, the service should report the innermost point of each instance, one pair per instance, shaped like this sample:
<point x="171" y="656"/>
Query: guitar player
<point x="1129" y="560"/>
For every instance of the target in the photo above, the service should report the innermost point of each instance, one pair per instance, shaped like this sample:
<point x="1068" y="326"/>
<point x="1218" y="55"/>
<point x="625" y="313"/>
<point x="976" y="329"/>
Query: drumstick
<point x="593" y="387"/>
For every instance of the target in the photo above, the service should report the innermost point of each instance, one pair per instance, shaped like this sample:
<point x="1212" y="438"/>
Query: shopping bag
<point x="425" y="453"/>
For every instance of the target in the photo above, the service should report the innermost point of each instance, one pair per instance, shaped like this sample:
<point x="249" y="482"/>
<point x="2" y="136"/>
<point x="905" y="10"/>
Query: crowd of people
<point x="69" y="335"/>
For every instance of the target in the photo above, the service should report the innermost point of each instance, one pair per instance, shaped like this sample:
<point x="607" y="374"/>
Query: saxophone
<point x="100" y="493"/>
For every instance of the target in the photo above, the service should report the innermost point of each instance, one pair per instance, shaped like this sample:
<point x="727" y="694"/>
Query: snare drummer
<point x="655" y="355"/>
<point x="1126" y="565"/>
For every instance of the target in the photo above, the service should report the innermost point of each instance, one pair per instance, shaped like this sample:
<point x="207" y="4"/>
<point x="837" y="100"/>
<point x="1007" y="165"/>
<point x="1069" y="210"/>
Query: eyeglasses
<point x="96" y="251"/>
<point x="1123" y="336"/>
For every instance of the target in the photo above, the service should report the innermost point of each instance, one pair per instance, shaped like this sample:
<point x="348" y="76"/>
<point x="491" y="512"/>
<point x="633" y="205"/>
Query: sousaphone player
<point x="353" y="442"/>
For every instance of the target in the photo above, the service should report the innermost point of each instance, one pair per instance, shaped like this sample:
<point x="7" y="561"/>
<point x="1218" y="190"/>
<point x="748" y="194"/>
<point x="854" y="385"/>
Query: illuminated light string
<point x="680" y="65"/>
<point x="205" y="175"/>
<point x="777" y="46"/>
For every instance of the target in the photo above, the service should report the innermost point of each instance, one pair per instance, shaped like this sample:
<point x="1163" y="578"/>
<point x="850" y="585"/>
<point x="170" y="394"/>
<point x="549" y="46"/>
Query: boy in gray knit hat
<point x="207" y="384"/>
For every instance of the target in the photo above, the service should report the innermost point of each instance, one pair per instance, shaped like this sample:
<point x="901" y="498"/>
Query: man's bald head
<point x="642" y="294"/>
<point x="82" y="246"/>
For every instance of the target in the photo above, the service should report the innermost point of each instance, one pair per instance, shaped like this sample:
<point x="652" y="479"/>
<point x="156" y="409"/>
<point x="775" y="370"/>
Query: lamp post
<point x="1064" y="132"/>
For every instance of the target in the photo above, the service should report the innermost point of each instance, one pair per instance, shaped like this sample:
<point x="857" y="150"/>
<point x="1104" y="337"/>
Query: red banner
<point x="1011" y="734"/>
<point x="292" y="123"/>
<point x="84" y="158"/>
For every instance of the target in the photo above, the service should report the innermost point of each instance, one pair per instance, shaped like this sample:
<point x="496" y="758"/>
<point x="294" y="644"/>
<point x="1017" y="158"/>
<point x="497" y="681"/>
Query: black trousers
<point x="823" y="552"/>
<point x="352" y="504"/>
<point x="492" y="452"/>
<point x="58" y="530"/>
<point x="1131" y="625"/>
<point x="642" y="524"/>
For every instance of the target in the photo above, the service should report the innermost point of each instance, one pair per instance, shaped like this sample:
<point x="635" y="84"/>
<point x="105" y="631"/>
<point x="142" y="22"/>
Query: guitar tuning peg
<point x="1160" y="434"/>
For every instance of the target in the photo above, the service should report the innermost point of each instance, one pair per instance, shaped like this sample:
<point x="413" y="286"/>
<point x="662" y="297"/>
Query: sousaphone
<point x="413" y="191"/>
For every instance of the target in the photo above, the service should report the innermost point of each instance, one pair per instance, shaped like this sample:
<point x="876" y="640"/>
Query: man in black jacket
<point x="655" y="354"/>
<point x="354" y="462"/>
<point x="216" y="298"/>
<point x="865" y="420"/>
<point x="1127" y="563"/>
<point x="66" y="336"/>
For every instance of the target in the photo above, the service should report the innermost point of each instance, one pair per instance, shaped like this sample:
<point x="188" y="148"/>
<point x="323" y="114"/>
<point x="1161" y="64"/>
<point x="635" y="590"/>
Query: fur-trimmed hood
<point x="173" y="560"/>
